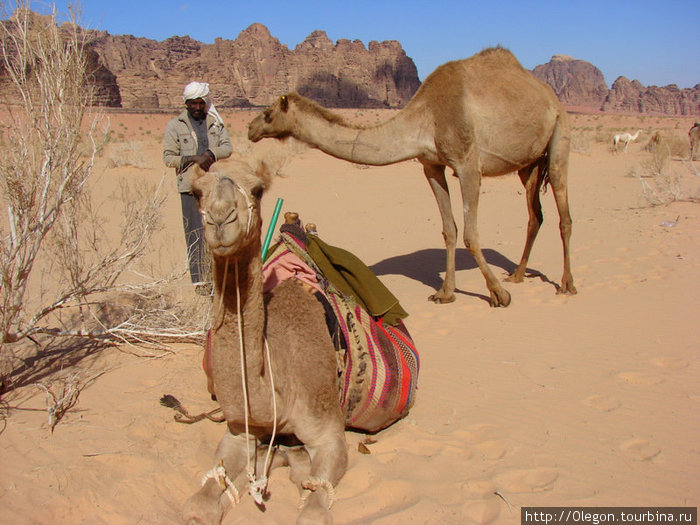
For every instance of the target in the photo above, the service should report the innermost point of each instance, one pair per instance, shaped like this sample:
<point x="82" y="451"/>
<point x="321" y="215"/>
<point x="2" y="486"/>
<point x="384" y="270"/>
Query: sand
<point x="585" y="400"/>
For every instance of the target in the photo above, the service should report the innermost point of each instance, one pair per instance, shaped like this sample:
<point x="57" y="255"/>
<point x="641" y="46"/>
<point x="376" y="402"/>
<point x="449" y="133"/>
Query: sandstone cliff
<point x="252" y="70"/>
<point x="669" y="100"/>
<point x="576" y="82"/>
<point x="255" y="68"/>
<point x="579" y="83"/>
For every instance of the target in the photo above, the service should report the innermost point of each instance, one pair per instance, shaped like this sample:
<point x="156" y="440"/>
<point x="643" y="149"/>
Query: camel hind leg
<point x="531" y="177"/>
<point x="558" y="161"/>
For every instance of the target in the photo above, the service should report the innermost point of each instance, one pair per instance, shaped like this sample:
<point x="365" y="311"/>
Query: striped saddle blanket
<point x="377" y="362"/>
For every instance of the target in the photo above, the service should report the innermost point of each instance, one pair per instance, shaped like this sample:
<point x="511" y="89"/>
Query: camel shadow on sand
<point x="425" y="266"/>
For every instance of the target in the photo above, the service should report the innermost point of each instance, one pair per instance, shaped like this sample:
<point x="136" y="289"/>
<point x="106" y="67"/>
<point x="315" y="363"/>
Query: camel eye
<point x="257" y="192"/>
<point x="268" y="116"/>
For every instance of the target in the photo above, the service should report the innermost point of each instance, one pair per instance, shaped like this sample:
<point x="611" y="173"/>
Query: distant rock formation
<point x="106" y="91"/>
<point x="255" y="68"/>
<point x="632" y="96"/>
<point x="252" y="70"/>
<point x="576" y="82"/>
<point x="581" y="84"/>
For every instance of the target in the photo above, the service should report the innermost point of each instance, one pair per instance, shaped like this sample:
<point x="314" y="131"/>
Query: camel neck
<point x="392" y="141"/>
<point x="226" y="334"/>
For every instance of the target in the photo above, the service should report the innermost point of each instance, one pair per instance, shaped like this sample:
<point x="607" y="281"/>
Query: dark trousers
<point x="194" y="237"/>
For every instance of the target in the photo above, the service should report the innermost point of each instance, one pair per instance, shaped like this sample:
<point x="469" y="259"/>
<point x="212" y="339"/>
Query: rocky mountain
<point x="579" y="83"/>
<point x="252" y="70"/>
<point x="255" y="68"/>
<point x="632" y="96"/>
<point x="576" y="82"/>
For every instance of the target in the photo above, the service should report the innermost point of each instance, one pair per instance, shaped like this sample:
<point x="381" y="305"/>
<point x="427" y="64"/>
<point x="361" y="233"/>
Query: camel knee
<point x="471" y="243"/>
<point x="449" y="234"/>
<point x="565" y="227"/>
<point x="534" y="223"/>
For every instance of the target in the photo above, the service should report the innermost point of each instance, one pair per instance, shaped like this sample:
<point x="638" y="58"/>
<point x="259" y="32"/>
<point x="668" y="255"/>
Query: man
<point x="196" y="136"/>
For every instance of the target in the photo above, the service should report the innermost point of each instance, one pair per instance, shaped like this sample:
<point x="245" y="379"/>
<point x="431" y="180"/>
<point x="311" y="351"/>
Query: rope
<point x="314" y="483"/>
<point x="218" y="473"/>
<point x="256" y="486"/>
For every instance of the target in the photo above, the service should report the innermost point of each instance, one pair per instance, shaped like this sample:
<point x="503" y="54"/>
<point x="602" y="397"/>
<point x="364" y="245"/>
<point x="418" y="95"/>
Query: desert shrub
<point x="672" y="145"/>
<point x="126" y="154"/>
<point x="581" y="141"/>
<point x="679" y="146"/>
<point x="603" y="136"/>
<point x="59" y="271"/>
<point x="660" y="183"/>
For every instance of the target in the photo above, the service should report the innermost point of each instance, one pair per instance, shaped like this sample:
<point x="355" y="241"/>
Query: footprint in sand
<point x="531" y="480"/>
<point x="602" y="402"/>
<point x="493" y="448"/>
<point x="639" y="378"/>
<point x="486" y="439"/>
<point x="671" y="363"/>
<point x="640" y="449"/>
<point x="478" y="433"/>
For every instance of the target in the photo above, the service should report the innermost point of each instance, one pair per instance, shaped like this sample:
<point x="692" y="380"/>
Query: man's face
<point x="197" y="108"/>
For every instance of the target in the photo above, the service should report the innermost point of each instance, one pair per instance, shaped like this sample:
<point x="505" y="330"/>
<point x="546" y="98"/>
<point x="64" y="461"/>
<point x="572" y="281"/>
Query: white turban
<point x="201" y="90"/>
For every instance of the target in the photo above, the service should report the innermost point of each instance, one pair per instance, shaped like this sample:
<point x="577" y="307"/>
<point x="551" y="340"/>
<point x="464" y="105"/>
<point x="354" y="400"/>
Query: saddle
<point x="377" y="359"/>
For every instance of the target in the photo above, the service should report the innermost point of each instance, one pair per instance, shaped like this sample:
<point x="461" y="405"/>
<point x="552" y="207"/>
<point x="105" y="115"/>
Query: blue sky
<point x="653" y="42"/>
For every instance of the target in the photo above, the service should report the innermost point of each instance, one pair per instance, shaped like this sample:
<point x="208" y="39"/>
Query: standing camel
<point x="482" y="116"/>
<point x="694" y="137"/>
<point x="270" y="353"/>
<point x="625" y="138"/>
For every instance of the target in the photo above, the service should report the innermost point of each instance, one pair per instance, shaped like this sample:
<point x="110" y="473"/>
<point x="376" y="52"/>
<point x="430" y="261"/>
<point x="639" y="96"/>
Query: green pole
<point x="271" y="227"/>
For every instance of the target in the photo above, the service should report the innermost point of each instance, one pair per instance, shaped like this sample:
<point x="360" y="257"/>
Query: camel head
<point x="274" y="122"/>
<point x="230" y="206"/>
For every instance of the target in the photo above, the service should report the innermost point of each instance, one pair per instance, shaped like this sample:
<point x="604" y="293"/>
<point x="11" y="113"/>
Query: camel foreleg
<point x="436" y="179"/>
<point x="327" y="450"/>
<point x="470" y="181"/>
<point x="225" y="485"/>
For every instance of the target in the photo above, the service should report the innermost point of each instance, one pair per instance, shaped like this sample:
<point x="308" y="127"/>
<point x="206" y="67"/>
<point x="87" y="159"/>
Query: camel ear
<point x="284" y="103"/>
<point x="258" y="189"/>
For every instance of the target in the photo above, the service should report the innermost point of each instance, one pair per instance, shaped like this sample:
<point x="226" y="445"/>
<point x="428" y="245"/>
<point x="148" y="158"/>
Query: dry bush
<point x="126" y="154"/>
<point x="62" y="275"/>
<point x="671" y="145"/>
<point x="602" y="135"/>
<point x="581" y="141"/>
<point x="660" y="183"/>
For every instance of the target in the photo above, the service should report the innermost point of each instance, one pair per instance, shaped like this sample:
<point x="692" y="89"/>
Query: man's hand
<point x="205" y="160"/>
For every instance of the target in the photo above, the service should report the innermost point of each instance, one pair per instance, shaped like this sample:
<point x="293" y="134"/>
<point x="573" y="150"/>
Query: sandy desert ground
<point x="586" y="400"/>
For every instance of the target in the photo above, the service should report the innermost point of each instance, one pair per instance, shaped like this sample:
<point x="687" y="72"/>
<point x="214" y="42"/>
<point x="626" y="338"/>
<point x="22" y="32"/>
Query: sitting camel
<point x="273" y="362"/>
<point x="694" y="137"/>
<point x="482" y="116"/>
<point x="625" y="138"/>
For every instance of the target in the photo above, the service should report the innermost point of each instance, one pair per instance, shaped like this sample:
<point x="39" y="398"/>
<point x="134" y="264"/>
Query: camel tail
<point x="545" y="171"/>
